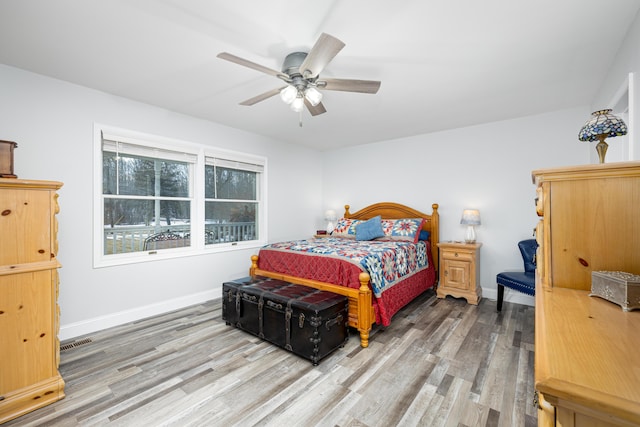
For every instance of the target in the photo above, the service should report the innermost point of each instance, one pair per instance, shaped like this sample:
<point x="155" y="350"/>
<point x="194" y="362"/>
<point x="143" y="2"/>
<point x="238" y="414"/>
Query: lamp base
<point x="601" y="148"/>
<point x="330" y="227"/>
<point x="470" y="235"/>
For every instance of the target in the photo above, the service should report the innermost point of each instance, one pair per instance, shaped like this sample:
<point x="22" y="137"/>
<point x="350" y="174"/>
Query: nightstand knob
<point x="456" y="254"/>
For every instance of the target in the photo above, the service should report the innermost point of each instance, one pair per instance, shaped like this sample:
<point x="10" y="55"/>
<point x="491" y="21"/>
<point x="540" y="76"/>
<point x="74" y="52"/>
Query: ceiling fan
<point x="301" y="72"/>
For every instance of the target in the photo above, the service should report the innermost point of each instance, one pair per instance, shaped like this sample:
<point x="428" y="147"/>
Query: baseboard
<point x="509" y="296"/>
<point x="99" y="323"/>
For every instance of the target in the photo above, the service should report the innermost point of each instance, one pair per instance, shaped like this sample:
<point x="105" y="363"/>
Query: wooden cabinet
<point x="587" y="369"/>
<point x="459" y="271"/>
<point x="29" y="314"/>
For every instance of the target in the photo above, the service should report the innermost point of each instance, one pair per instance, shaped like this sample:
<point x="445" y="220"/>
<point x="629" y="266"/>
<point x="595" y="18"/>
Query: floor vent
<point x="75" y="344"/>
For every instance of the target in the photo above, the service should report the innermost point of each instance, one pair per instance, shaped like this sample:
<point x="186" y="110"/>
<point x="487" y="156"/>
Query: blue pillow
<point x="424" y="235"/>
<point x="370" y="229"/>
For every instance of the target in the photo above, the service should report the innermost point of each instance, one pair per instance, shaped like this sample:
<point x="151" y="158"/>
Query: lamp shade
<point x="288" y="94"/>
<point x="298" y="104"/>
<point x="470" y="217"/>
<point x="330" y="215"/>
<point x="313" y="95"/>
<point x="602" y="122"/>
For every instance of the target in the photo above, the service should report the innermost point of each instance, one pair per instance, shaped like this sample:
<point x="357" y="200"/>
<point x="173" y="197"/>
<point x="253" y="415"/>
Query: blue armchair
<point x="521" y="281"/>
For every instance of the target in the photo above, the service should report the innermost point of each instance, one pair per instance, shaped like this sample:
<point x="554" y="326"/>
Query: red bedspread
<point x="344" y="273"/>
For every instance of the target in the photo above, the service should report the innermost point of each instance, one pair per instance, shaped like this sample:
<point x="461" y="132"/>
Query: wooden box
<point x="618" y="287"/>
<point x="6" y="159"/>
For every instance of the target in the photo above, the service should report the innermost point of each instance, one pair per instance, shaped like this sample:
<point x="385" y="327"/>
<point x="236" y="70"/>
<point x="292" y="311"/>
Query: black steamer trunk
<point x="304" y="320"/>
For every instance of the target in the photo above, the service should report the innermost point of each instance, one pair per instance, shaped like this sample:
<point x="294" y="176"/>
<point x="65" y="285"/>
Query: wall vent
<point x="75" y="344"/>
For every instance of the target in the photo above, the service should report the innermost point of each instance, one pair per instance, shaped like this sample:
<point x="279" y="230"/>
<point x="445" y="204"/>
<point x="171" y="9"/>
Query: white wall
<point x="487" y="167"/>
<point x="627" y="61"/>
<point x="52" y="122"/>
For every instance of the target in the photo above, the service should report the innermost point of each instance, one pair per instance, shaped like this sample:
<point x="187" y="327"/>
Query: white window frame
<point x="198" y="151"/>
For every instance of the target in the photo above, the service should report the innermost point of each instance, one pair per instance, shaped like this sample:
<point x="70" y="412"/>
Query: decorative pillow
<point x="346" y="227"/>
<point x="405" y="229"/>
<point x="424" y="235"/>
<point x="369" y="229"/>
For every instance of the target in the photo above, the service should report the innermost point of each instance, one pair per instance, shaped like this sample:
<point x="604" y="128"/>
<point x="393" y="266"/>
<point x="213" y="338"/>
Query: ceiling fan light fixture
<point x="301" y="74"/>
<point x="313" y="95"/>
<point x="298" y="104"/>
<point x="288" y="94"/>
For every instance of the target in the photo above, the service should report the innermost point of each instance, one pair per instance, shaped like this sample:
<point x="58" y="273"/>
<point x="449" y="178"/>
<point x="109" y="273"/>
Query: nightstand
<point x="460" y="271"/>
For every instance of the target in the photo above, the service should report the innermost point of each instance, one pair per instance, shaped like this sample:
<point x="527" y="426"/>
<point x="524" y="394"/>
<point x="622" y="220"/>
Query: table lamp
<point x="601" y="125"/>
<point x="470" y="218"/>
<point x="330" y="217"/>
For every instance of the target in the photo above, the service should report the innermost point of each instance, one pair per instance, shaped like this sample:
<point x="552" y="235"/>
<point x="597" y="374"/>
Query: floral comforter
<point x="387" y="262"/>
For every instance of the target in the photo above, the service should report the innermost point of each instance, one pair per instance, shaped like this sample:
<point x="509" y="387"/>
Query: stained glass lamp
<point x="602" y="125"/>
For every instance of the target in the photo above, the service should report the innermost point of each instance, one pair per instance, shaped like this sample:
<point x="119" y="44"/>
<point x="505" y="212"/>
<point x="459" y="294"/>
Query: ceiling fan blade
<point x="349" y="85"/>
<point x="325" y="49"/>
<point x="262" y="96"/>
<point x="318" y="109"/>
<point x="246" y="63"/>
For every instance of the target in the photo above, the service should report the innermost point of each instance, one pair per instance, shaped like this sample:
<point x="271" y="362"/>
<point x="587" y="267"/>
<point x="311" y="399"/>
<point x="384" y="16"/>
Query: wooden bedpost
<point x="366" y="316"/>
<point x="347" y="214"/>
<point x="254" y="265"/>
<point x="435" y="235"/>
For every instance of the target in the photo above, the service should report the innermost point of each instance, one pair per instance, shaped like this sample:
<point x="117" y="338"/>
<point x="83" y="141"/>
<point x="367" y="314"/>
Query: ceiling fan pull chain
<point x="300" y="122"/>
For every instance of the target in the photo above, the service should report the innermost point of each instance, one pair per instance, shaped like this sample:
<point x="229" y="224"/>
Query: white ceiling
<point x="443" y="63"/>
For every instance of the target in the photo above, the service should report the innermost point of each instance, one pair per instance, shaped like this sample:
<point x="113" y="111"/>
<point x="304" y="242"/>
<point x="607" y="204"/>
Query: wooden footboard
<point x="361" y="315"/>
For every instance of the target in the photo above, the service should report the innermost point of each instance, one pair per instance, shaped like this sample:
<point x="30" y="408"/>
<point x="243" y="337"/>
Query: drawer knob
<point x="456" y="254"/>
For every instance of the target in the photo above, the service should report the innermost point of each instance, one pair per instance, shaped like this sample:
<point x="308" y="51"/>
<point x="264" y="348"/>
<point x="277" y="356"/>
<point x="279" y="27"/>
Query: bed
<point x="370" y="300"/>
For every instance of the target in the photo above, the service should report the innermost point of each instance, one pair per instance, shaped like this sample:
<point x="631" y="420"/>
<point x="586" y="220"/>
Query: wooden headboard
<point x="390" y="210"/>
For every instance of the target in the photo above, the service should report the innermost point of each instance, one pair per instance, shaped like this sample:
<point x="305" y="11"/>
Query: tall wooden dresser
<point x="29" y="314"/>
<point x="587" y="349"/>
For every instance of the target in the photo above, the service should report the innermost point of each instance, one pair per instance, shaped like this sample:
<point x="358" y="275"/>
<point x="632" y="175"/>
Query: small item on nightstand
<point x="6" y="159"/>
<point x="320" y="232"/>
<point x="618" y="287"/>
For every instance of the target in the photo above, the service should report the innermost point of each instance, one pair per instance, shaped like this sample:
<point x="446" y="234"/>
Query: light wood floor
<point x="441" y="363"/>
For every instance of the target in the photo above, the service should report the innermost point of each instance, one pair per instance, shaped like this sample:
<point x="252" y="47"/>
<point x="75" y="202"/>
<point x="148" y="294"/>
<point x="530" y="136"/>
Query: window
<point x="161" y="199"/>
<point x="231" y="200"/>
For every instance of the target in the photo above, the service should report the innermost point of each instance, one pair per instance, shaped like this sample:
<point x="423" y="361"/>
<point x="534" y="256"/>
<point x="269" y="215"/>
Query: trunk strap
<point x="287" y="326"/>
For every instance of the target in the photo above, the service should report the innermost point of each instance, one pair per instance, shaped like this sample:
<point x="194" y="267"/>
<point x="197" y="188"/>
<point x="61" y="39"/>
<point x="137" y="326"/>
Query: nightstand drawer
<point x="457" y="255"/>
